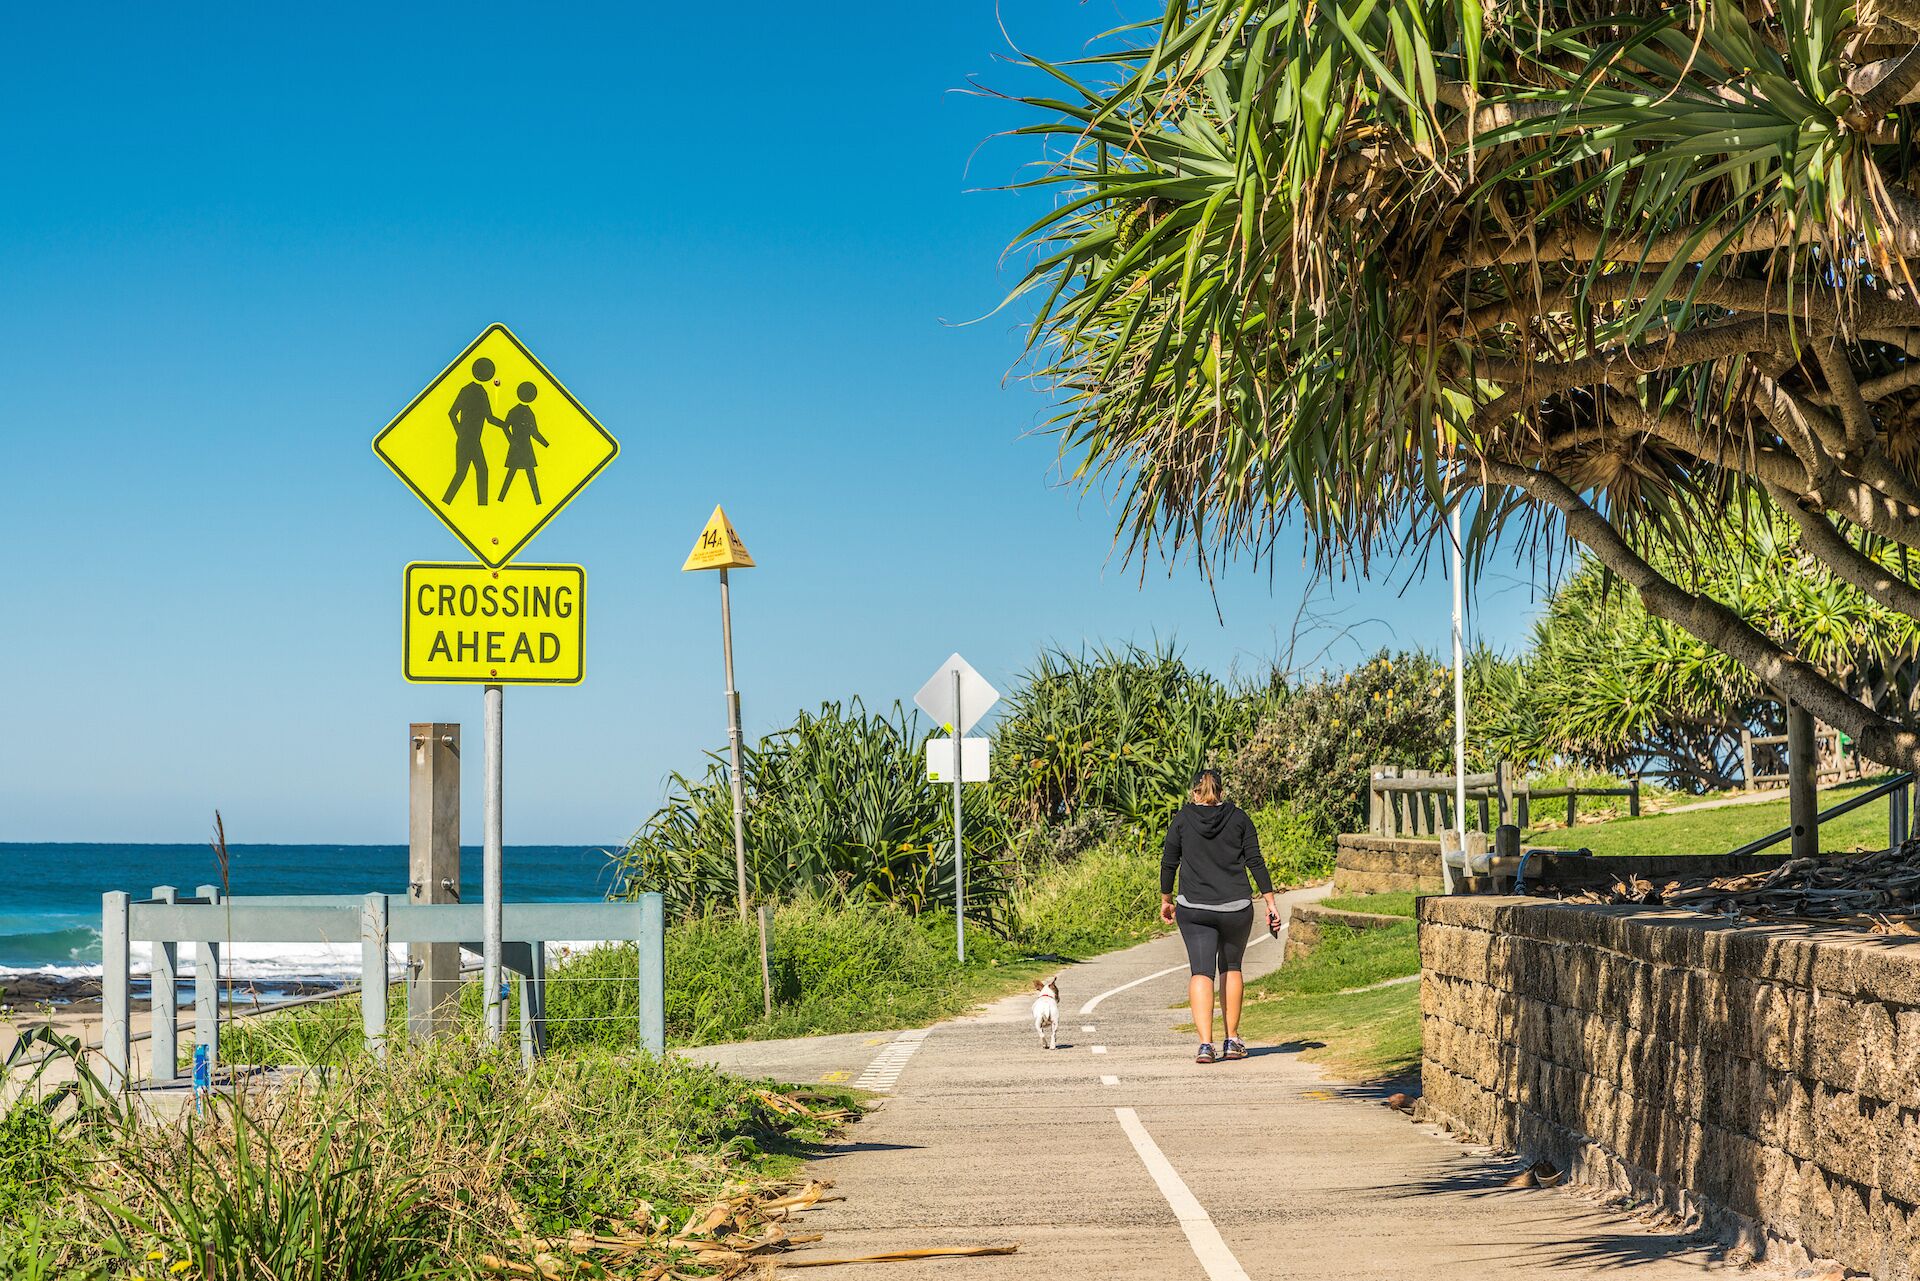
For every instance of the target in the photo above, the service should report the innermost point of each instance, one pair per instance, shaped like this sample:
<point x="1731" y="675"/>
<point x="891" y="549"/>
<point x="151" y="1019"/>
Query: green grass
<point x="411" y="1169"/>
<point x="1297" y="850"/>
<point x="1360" y="1036"/>
<point x="1108" y="897"/>
<point x="1393" y="903"/>
<point x="1716" y="831"/>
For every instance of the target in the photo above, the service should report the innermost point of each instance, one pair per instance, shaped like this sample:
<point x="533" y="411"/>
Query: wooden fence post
<point x="1633" y="800"/>
<point x="1503" y="784"/>
<point x="1746" y="758"/>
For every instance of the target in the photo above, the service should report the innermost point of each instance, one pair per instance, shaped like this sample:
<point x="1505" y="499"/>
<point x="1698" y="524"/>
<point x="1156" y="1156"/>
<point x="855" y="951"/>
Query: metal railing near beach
<point x="1419" y="802"/>
<point x="210" y="922"/>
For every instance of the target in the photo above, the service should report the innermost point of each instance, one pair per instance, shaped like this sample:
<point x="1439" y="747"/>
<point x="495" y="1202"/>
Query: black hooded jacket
<point x="1212" y="847"/>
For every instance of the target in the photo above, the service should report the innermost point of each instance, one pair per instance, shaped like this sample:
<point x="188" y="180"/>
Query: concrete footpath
<point x="1116" y="1156"/>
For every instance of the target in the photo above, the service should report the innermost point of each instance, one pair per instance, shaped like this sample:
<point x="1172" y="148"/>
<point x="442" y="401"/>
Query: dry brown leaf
<point x="902" y="1256"/>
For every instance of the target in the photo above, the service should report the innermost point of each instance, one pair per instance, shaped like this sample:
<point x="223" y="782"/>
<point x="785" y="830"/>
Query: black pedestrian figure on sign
<point x="522" y="432"/>
<point x="471" y="411"/>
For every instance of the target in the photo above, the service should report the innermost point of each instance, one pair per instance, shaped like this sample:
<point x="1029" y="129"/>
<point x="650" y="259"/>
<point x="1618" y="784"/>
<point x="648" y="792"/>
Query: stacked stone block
<point x="1764" y="1078"/>
<point x="1380" y="864"/>
<point x="1305" y="924"/>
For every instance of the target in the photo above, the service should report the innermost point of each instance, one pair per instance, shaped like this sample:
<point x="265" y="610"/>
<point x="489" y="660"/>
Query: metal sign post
<point x="719" y="547"/>
<point x="490" y="895"/>
<point x="1459" y="709"/>
<point x="733" y="751"/>
<point x="957" y="697"/>
<point x="959" y="858"/>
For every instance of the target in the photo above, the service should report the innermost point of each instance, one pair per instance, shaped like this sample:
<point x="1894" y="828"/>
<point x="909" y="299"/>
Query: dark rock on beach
<point x="22" y="990"/>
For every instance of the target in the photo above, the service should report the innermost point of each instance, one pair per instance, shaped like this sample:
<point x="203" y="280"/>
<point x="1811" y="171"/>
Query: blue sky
<point x="238" y="239"/>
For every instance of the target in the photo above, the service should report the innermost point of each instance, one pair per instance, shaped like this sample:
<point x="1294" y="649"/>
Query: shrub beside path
<point x="1115" y="1156"/>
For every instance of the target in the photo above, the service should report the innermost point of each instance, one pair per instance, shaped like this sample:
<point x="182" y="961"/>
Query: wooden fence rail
<point x="1419" y="802"/>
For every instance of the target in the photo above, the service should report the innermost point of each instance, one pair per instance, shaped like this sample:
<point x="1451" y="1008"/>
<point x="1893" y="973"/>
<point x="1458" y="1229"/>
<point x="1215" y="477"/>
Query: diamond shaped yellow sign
<point x="495" y="446"/>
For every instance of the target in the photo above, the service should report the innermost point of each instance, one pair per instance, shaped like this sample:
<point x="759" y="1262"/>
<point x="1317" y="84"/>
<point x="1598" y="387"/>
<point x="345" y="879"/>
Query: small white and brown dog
<point x="1046" y="1011"/>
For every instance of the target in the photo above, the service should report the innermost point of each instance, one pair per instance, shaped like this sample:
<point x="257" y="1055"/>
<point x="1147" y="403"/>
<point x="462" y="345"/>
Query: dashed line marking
<point x="1109" y="1080"/>
<point x="1208" y="1246"/>
<point x="1099" y="1049"/>
<point x="1086" y="1027"/>
<point x="890" y="1062"/>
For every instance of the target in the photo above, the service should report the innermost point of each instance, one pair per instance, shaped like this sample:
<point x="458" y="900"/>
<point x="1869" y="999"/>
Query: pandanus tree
<point x="1609" y="271"/>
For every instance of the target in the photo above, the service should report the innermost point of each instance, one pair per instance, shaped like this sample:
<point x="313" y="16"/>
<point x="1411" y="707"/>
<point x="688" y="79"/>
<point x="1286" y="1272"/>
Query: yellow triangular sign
<point x="718" y="547"/>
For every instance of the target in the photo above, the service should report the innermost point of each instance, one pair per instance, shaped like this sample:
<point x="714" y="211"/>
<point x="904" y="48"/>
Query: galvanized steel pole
<point x="490" y="892"/>
<point x="959" y="861"/>
<point x="733" y="751"/>
<point x="1459" y="705"/>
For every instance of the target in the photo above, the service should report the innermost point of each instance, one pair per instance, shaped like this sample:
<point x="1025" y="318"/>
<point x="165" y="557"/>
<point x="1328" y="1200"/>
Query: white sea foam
<point x="270" y="962"/>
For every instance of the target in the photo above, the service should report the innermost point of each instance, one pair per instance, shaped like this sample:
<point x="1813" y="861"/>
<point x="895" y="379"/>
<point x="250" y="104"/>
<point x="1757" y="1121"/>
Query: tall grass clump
<point x="422" y="1165"/>
<point x="838" y="804"/>
<point x="1117" y="732"/>
<point x="1109" y="897"/>
<point x="1295" y="842"/>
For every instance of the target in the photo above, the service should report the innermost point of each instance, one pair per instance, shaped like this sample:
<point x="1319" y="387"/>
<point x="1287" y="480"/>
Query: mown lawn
<point x="1396" y="903"/>
<point x="1716" y="831"/>
<point x="1311" y="1003"/>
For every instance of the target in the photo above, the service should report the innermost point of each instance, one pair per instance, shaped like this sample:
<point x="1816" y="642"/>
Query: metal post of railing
<point x="115" y="1036"/>
<point x="206" y="989"/>
<point x="1899" y="810"/>
<point x="652" y="949"/>
<point x="533" y="1004"/>
<point x="163" y="1056"/>
<point x="1803" y="807"/>
<point x="373" y="973"/>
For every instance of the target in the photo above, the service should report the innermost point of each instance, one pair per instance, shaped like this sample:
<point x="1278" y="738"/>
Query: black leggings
<point x="1216" y="941"/>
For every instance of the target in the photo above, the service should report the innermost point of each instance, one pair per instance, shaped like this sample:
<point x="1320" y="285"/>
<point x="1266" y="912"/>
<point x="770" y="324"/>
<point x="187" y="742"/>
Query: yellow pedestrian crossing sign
<point x="495" y="446"/>
<point x="718" y="546"/>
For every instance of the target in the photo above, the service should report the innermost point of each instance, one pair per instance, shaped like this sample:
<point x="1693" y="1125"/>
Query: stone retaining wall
<point x="1766" y="1078"/>
<point x="1372" y="864"/>
<point x="1305" y="920"/>
<point x="1378" y="864"/>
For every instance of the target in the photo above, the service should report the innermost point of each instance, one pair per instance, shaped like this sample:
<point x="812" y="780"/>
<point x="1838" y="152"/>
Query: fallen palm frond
<point x="738" y="1228"/>
<point x="904" y="1256"/>
<point x="1879" y="892"/>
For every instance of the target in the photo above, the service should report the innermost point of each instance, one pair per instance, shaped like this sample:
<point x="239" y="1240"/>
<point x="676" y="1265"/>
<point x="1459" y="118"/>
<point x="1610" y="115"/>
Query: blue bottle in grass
<point x="202" y="1076"/>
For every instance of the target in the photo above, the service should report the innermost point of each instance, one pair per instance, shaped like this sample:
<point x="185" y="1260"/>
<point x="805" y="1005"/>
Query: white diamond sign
<point x="936" y="697"/>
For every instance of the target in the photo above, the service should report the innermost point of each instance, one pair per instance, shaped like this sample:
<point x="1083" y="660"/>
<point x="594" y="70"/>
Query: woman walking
<point x="1212" y="846"/>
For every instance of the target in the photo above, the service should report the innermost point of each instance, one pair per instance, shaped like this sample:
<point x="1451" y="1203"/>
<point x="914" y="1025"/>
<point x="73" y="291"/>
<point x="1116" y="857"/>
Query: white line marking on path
<point x="1089" y="1007"/>
<point x="888" y="1064"/>
<point x="1094" y="1004"/>
<point x="1086" y="1027"/>
<point x="1208" y="1246"/>
<point x="1099" y="1049"/>
<point x="1109" y="1080"/>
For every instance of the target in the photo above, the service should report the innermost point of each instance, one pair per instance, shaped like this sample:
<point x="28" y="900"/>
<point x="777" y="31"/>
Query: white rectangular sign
<point x="973" y="760"/>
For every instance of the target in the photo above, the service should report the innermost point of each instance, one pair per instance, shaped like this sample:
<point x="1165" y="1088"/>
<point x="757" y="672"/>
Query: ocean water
<point x="50" y="922"/>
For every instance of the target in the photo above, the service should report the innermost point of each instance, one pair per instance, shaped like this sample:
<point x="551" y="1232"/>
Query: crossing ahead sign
<point x="516" y="625"/>
<point x="495" y="446"/>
